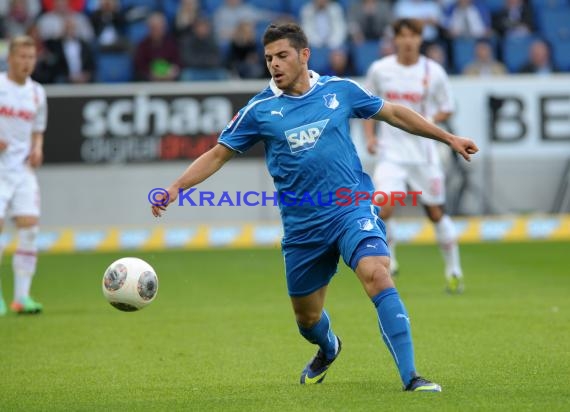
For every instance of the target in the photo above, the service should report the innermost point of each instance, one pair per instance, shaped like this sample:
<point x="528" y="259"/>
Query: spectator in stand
<point x="74" y="59"/>
<point x="200" y="54"/>
<point x="324" y="24"/>
<point x="33" y="7"/>
<point x="188" y="13"/>
<point x="339" y="63"/>
<point x="75" y="5"/>
<point x="19" y="16"/>
<point x="468" y="18"/>
<point x="368" y="20"/>
<point x="52" y="24"/>
<point x="513" y="19"/>
<point x="156" y="56"/>
<point x="428" y="11"/>
<point x="109" y="25"/>
<point x="539" y="60"/>
<point x="436" y="52"/>
<point x="484" y="63"/>
<point x="231" y="13"/>
<point x="244" y="59"/>
<point x="45" y="70"/>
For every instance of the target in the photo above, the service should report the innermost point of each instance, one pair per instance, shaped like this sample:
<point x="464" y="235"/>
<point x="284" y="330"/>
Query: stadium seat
<point x="136" y="31"/>
<point x="150" y="4"/>
<point x="561" y="55"/>
<point x="319" y="60"/>
<point x="515" y="51"/>
<point x="275" y="6"/>
<point x="538" y="5"/>
<point x="494" y="5"/>
<point x="463" y="53"/>
<point x="554" y="24"/>
<point x="210" y="6"/>
<point x="114" y="68"/>
<point x="364" y="54"/>
<point x="295" y="6"/>
<point x="170" y="8"/>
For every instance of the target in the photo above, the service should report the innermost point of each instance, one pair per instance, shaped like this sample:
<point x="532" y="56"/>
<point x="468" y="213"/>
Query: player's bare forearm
<point x="441" y="117"/>
<point x="204" y="167"/>
<point x="406" y="119"/>
<point x="201" y="169"/>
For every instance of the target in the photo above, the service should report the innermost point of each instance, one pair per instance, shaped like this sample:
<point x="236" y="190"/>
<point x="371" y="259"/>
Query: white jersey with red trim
<point x="423" y="87"/>
<point x="23" y="111"/>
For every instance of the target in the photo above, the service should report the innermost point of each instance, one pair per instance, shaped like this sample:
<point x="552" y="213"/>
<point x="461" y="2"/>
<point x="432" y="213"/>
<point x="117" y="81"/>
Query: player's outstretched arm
<point x="406" y="119"/>
<point x="201" y="169"/>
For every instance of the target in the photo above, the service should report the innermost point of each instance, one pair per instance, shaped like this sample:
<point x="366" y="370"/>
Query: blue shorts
<point x="310" y="264"/>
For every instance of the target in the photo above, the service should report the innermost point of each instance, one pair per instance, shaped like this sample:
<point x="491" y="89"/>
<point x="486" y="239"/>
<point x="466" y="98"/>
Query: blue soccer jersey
<point x="308" y="148"/>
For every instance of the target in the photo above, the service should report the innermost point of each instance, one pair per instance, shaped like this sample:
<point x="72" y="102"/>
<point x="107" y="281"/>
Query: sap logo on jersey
<point x="305" y="137"/>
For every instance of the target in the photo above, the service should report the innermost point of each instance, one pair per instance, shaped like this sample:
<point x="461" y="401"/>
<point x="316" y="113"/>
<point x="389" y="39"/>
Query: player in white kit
<point x="23" y="118"/>
<point x="420" y="83"/>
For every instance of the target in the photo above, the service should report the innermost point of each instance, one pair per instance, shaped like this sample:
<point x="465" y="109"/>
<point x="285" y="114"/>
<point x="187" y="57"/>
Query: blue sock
<point x="395" y="327"/>
<point x="321" y="334"/>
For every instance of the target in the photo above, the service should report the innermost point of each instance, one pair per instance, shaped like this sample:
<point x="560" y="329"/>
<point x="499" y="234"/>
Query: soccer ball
<point x="130" y="284"/>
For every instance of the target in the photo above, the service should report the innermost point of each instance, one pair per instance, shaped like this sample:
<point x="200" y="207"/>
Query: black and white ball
<point x="130" y="284"/>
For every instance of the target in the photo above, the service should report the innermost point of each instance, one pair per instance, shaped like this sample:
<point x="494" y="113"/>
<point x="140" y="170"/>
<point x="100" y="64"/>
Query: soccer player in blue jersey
<point x="303" y="120"/>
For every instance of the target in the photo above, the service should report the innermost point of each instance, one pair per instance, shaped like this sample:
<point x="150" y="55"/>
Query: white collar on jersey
<point x="313" y="78"/>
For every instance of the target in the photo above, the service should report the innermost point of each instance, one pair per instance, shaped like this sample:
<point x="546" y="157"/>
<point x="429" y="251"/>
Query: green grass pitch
<point x="221" y="336"/>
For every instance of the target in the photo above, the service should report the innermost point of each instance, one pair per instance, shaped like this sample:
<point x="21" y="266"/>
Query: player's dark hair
<point x="291" y="31"/>
<point x="415" y="25"/>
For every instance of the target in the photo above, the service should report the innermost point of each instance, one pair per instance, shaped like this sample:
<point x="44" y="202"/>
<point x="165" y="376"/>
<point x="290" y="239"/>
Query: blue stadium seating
<point x="364" y="54"/>
<point x="114" y="68"/>
<point x="515" y="51"/>
<point x="276" y="6"/>
<point x="554" y="24"/>
<point x="464" y="52"/>
<point x="561" y="55"/>
<point x="494" y="5"/>
<point x="150" y="4"/>
<point x="538" y="5"/>
<point x="136" y="31"/>
<point x="170" y="8"/>
<point x="319" y="60"/>
<point x="295" y="6"/>
<point x="210" y="6"/>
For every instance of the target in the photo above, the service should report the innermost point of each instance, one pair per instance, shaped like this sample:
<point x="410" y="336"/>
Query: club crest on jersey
<point x="330" y="101"/>
<point x="305" y="137"/>
<point x="365" y="224"/>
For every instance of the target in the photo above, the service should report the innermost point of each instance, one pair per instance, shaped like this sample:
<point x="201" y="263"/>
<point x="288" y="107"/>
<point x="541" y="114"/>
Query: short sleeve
<point x="242" y="131"/>
<point x="442" y="92"/>
<point x="364" y="104"/>
<point x="40" y="121"/>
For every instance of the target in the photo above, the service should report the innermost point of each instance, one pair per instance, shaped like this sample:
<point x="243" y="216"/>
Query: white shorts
<point x="428" y="179"/>
<point x="19" y="193"/>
